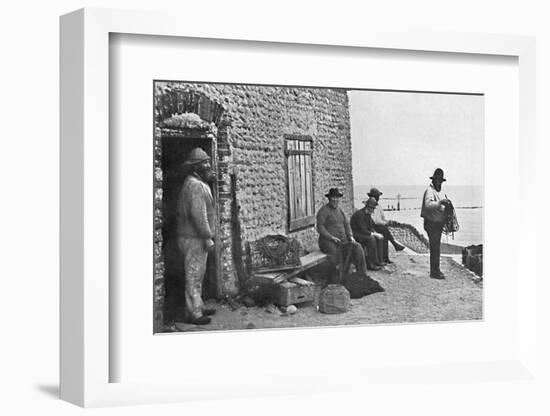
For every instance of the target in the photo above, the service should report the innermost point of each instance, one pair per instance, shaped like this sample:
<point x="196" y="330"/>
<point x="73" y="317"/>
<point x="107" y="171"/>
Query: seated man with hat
<point x="381" y="226"/>
<point x="335" y="233"/>
<point x="362" y="226"/>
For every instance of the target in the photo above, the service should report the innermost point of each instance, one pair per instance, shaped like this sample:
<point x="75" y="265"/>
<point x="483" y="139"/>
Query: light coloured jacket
<point x="195" y="214"/>
<point x="378" y="216"/>
<point x="432" y="208"/>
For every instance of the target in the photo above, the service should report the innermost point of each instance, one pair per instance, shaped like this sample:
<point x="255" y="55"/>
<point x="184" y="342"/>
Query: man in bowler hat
<point x="335" y="233"/>
<point x="433" y="212"/>
<point x="362" y="225"/>
<point x="381" y="226"/>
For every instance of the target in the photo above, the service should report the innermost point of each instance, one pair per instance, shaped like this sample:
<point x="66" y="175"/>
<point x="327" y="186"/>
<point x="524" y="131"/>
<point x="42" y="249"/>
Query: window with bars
<point x="301" y="205"/>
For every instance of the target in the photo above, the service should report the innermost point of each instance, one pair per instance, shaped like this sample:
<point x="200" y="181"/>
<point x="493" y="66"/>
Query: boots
<point x="202" y="320"/>
<point x="397" y="246"/>
<point x="373" y="266"/>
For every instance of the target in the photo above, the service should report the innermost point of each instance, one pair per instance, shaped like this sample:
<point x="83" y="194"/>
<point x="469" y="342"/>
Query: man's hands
<point x="336" y="240"/>
<point x="444" y="203"/>
<point x="377" y="235"/>
<point x="209" y="245"/>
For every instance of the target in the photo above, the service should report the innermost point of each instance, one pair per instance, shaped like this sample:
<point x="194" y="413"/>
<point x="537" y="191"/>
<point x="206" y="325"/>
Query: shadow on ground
<point x="51" y="390"/>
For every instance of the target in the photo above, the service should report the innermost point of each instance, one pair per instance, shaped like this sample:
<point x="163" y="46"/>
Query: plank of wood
<point x="313" y="259"/>
<point x="308" y="261"/>
<point x="300" y="282"/>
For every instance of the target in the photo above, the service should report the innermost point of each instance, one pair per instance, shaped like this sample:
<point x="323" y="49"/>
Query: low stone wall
<point x="417" y="242"/>
<point x="409" y="236"/>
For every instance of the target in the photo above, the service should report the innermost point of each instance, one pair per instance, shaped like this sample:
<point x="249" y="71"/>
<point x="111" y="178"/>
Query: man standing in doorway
<point x="433" y="212"/>
<point x="335" y="233"/>
<point x="381" y="226"/>
<point x="195" y="227"/>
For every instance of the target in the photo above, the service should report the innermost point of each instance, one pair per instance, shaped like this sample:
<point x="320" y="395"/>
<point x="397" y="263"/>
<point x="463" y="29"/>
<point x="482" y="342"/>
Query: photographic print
<point x="285" y="206"/>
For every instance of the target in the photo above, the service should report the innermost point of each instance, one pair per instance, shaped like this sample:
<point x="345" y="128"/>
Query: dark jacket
<point x="362" y="225"/>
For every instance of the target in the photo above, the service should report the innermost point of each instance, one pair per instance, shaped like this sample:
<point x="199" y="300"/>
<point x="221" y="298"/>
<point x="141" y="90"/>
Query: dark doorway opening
<point x="174" y="153"/>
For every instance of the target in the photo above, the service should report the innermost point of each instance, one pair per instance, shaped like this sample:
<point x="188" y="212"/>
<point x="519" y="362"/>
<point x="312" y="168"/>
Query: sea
<point x="403" y="203"/>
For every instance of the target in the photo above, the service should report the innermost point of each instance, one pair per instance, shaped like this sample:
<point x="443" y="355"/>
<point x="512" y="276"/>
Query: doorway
<point x="174" y="152"/>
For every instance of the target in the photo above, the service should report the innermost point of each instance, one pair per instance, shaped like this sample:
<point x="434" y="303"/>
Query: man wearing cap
<point x="433" y="212"/>
<point x="335" y="233"/>
<point x="362" y="225"/>
<point x="381" y="226"/>
<point x="195" y="231"/>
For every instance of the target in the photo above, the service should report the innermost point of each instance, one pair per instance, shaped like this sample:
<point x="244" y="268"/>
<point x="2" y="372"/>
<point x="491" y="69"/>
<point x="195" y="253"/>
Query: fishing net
<point x="451" y="222"/>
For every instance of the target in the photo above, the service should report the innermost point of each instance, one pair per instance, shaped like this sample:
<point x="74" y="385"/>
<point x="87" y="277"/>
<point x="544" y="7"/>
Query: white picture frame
<point x="85" y="258"/>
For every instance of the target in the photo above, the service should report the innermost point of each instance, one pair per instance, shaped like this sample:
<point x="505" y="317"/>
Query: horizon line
<point x="422" y="184"/>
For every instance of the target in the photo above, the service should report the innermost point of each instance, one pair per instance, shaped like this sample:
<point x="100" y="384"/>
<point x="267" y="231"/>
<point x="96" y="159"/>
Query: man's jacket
<point x="362" y="225"/>
<point x="432" y="209"/>
<point x="195" y="215"/>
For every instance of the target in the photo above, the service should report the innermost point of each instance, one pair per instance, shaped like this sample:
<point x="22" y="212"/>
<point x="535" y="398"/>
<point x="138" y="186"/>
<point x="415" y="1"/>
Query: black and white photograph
<point x="290" y="206"/>
<point x="266" y="208"/>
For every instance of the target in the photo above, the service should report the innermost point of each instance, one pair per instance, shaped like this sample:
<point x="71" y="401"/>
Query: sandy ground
<point x="410" y="296"/>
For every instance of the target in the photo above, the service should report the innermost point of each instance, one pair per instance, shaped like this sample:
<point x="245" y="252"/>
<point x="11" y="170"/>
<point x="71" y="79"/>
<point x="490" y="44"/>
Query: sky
<point x="399" y="138"/>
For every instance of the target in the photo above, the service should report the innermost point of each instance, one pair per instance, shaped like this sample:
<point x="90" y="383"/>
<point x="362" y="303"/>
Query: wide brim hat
<point x="438" y="174"/>
<point x="334" y="192"/>
<point x="195" y="156"/>
<point x="371" y="202"/>
<point x="374" y="192"/>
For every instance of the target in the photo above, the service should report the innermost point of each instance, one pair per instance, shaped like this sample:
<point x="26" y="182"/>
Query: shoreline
<point x="418" y="209"/>
<point x="471" y="256"/>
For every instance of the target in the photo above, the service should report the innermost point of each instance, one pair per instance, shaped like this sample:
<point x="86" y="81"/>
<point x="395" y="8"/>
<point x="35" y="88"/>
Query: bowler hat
<point x="438" y="174"/>
<point x="196" y="155"/>
<point x="374" y="192"/>
<point x="371" y="203"/>
<point x="334" y="192"/>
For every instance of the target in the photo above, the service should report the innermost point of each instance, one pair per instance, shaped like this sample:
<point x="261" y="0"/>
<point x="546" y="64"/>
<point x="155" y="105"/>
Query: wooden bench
<point x="307" y="262"/>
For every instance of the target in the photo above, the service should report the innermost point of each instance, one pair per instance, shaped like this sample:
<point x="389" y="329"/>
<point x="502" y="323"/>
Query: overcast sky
<point x="400" y="138"/>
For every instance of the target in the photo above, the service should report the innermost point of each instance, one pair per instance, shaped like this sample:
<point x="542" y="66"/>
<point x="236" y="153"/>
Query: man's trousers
<point x="195" y="257"/>
<point x="334" y="252"/>
<point x="434" y="230"/>
<point x="388" y="237"/>
<point x="374" y="247"/>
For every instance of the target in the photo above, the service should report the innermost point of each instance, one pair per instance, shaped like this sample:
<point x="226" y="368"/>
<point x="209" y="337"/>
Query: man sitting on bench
<point x="362" y="225"/>
<point x="381" y="226"/>
<point x="335" y="235"/>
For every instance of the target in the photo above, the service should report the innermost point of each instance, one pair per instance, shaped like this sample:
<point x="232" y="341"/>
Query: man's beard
<point x="206" y="174"/>
<point x="437" y="187"/>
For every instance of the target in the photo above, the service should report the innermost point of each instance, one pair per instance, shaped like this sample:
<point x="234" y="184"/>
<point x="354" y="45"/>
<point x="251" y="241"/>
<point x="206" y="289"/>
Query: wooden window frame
<point x="295" y="223"/>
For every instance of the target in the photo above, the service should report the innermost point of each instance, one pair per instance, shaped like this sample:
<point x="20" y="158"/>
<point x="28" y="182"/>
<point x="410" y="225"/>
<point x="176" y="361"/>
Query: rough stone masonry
<point x="249" y="124"/>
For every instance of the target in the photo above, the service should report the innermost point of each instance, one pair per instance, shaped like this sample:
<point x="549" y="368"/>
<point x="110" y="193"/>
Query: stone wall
<point x="251" y="159"/>
<point x="158" y="277"/>
<point x="259" y="117"/>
